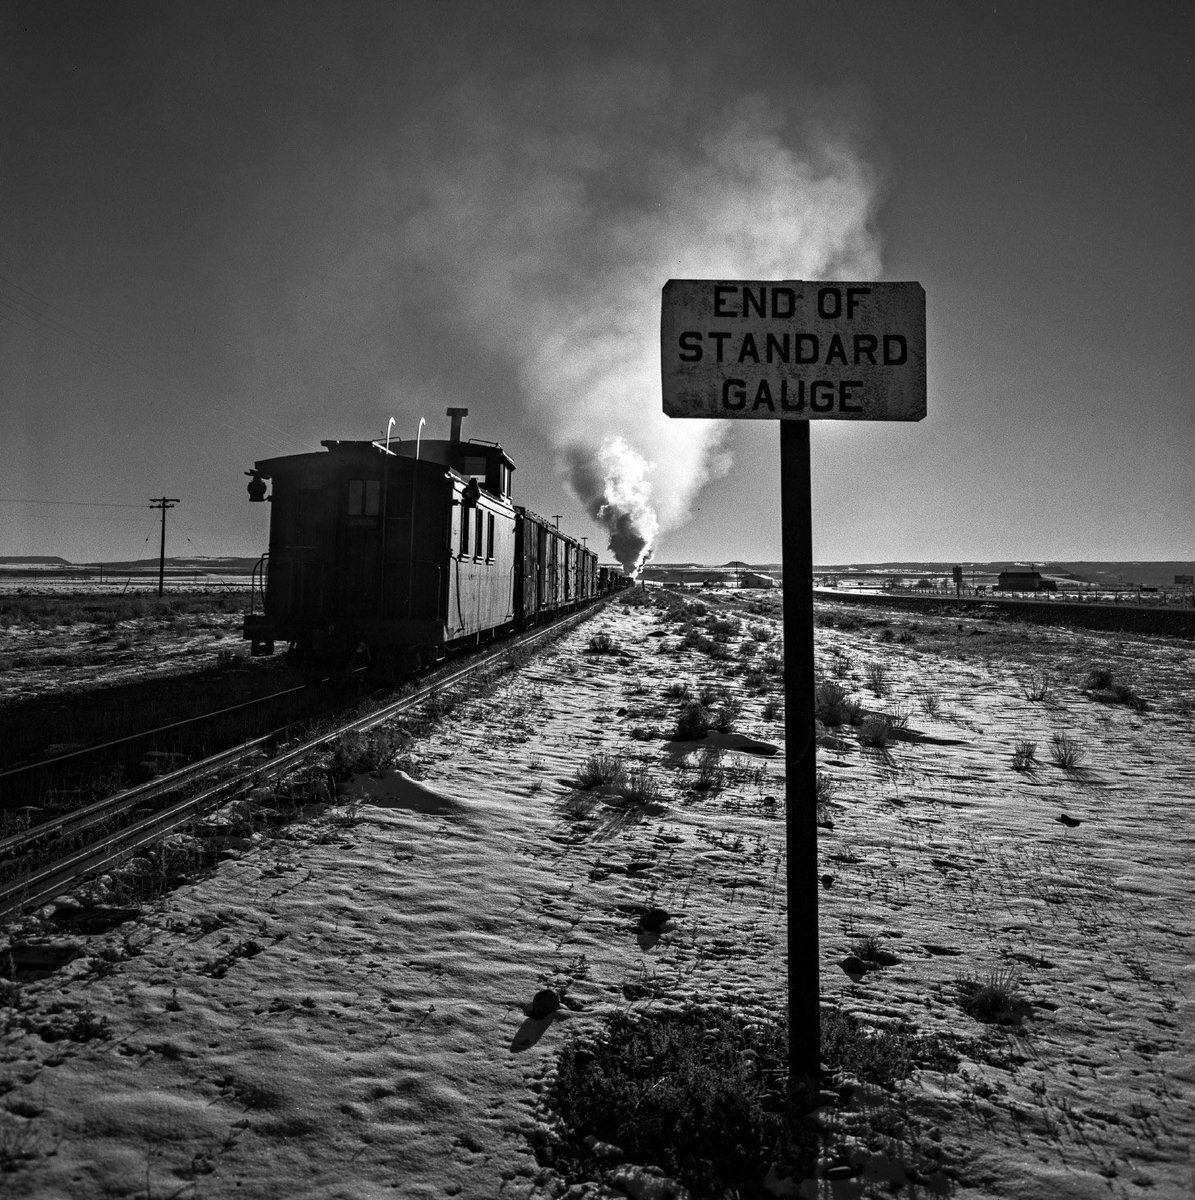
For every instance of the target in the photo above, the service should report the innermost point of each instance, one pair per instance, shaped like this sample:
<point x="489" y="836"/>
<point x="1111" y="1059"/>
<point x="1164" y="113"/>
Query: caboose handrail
<point x="257" y="581"/>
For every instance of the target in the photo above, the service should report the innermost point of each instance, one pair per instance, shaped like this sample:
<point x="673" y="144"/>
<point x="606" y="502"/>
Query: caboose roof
<point x="438" y="450"/>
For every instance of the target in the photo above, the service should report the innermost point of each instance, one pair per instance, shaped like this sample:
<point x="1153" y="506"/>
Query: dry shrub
<point x="1065" y="752"/>
<point x="832" y="705"/>
<point x="993" y="1000"/>
<point x="602" y="643"/>
<point x="710" y="774"/>
<point x="359" y="753"/>
<point x="1024" y="756"/>
<point x="638" y="786"/>
<point x="877" y="678"/>
<point x="876" y="731"/>
<point x="693" y="723"/>
<point x="676" y="1090"/>
<point x="825" y="792"/>
<point x="1102" y="686"/>
<point x="599" y="769"/>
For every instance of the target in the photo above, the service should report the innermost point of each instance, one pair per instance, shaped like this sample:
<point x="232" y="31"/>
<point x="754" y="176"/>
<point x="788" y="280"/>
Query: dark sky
<point x="231" y="230"/>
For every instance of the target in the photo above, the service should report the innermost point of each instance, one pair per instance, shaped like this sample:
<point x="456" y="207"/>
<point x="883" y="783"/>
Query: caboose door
<point x="359" y="549"/>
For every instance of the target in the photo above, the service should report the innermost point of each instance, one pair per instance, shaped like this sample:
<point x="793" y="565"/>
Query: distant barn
<point x="1025" y="581"/>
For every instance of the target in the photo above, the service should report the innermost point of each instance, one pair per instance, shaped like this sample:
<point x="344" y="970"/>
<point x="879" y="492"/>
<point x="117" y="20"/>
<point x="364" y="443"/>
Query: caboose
<point x="391" y="553"/>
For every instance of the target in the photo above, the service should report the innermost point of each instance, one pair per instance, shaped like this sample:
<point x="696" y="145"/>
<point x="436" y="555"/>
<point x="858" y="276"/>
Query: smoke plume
<point x="558" y="213"/>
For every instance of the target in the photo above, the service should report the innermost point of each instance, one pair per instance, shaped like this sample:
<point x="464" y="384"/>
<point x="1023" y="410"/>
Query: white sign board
<point x="793" y="350"/>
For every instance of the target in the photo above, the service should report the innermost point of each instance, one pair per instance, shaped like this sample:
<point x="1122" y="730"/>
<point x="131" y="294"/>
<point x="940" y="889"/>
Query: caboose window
<point x="489" y="536"/>
<point x="365" y="498"/>
<point x="466" y="520"/>
<point x="477" y="539"/>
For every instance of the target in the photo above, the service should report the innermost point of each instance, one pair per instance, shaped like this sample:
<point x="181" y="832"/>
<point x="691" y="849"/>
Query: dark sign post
<point x="795" y="351"/>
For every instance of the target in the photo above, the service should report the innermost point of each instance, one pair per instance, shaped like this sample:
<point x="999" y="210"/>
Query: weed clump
<point x="600" y="769"/>
<point x="693" y="723"/>
<point x="1101" y="686"/>
<point x="702" y="1094"/>
<point x="880" y="1056"/>
<point x="710" y="773"/>
<point x="993" y="1000"/>
<point x="832" y="705"/>
<point x="876" y="731"/>
<point x="1065" y="752"/>
<point x="872" y="950"/>
<point x="360" y="753"/>
<point x="602" y="643"/>
<point x="638" y="786"/>
<point x="724" y="626"/>
<point x="825" y="792"/>
<point x="877" y="678"/>
<point x="1024" y="756"/>
<point x="685" y="1091"/>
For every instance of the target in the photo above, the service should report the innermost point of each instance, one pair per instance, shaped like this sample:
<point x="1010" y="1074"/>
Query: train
<point x="391" y="554"/>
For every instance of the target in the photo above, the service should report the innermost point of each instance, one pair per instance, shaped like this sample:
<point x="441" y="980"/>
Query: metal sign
<point x="793" y="350"/>
<point x="796" y="351"/>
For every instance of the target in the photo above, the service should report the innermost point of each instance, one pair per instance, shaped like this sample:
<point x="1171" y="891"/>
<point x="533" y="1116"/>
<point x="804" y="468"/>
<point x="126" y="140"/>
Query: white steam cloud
<point x="552" y="217"/>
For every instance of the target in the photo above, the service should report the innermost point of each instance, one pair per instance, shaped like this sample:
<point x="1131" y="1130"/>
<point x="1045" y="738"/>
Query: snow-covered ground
<point x="341" y="1010"/>
<point x="50" y="660"/>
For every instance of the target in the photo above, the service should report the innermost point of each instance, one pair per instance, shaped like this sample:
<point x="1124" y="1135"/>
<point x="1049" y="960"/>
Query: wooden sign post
<point x="795" y="351"/>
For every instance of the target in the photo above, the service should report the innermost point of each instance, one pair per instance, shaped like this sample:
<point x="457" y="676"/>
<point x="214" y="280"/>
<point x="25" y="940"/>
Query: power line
<point x="60" y="331"/>
<point x="76" y="503"/>
<point x="56" y="322"/>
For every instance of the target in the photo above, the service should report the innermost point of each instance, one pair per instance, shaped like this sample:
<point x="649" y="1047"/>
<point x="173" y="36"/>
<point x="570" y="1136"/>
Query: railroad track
<point x="89" y="846"/>
<point x="30" y="784"/>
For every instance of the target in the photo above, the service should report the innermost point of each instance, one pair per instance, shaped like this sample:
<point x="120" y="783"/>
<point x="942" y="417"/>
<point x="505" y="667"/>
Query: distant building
<point x="1025" y="581"/>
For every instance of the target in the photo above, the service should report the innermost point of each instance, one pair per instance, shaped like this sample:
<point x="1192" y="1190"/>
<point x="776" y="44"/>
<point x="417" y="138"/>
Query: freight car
<point x="394" y="553"/>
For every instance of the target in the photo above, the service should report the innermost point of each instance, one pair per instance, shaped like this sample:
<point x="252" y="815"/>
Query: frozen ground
<point x="84" y="650"/>
<point x="340" y="1011"/>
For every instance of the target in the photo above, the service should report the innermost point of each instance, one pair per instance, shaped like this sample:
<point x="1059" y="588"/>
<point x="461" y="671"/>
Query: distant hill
<point x="205" y="566"/>
<point x="140" y="566"/>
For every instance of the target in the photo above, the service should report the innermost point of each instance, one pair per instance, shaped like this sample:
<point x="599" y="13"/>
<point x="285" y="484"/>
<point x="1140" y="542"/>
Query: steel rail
<point x="84" y="751"/>
<point x="41" y="885"/>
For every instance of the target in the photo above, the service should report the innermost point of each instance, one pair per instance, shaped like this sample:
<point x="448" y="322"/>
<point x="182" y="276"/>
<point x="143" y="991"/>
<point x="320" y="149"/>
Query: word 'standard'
<point x="793" y="350"/>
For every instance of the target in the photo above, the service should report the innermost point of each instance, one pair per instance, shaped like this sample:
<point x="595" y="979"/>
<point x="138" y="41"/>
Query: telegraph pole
<point x="162" y="502"/>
